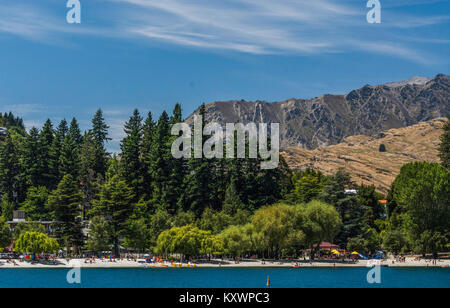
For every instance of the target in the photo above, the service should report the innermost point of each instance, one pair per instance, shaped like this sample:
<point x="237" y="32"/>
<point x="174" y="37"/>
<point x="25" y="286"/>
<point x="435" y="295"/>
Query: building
<point x="19" y="217"/>
<point x="3" y="133"/>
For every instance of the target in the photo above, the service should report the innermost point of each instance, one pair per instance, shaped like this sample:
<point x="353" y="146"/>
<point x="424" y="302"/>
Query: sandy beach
<point x="62" y="263"/>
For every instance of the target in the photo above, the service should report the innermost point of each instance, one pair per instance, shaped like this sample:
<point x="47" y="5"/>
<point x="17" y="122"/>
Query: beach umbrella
<point x="355" y="253"/>
<point x="334" y="251"/>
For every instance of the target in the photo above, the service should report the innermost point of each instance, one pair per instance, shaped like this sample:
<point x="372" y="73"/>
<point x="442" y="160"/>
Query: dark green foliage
<point x="146" y="146"/>
<point x="130" y="162"/>
<point x="422" y="194"/>
<point x="35" y="204"/>
<point x="5" y="233"/>
<point x="116" y="206"/>
<point x="12" y="123"/>
<point x="65" y="203"/>
<point x="48" y="156"/>
<point x="444" y="147"/>
<point x="95" y="140"/>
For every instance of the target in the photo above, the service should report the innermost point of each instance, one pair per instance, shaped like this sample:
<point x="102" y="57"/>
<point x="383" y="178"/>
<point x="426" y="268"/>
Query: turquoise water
<point x="227" y="277"/>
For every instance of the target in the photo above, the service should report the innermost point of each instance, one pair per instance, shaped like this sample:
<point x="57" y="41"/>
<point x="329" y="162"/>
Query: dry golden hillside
<point x="360" y="155"/>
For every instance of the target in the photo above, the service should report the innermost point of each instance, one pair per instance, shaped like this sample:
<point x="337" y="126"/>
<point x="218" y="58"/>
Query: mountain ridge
<point x="360" y="155"/>
<point x="328" y="119"/>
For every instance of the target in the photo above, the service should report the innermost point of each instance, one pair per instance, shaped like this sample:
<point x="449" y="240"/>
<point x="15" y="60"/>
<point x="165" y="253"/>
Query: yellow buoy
<point x="268" y="281"/>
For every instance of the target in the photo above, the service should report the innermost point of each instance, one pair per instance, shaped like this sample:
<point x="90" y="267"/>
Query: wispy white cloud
<point x="301" y="27"/>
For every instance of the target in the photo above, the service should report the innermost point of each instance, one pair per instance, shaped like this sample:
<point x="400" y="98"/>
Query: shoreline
<point x="123" y="264"/>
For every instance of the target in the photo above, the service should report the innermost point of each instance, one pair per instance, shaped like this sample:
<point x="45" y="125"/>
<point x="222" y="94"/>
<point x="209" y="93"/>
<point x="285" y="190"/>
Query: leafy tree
<point x="322" y="223"/>
<point x="431" y="242"/>
<point x="444" y="147"/>
<point x="7" y="207"/>
<point x="65" y="203"/>
<point x="394" y="241"/>
<point x="368" y="199"/>
<point x="211" y="245"/>
<point x="35" y="205"/>
<point x="23" y="227"/>
<point x="5" y="233"/>
<point x="186" y="240"/>
<point x="214" y="221"/>
<point x="306" y="188"/>
<point x="275" y="223"/>
<point x="183" y="218"/>
<point x="235" y="241"/>
<point x="358" y="244"/>
<point x="99" y="234"/>
<point x="138" y="236"/>
<point x="232" y="201"/>
<point x="116" y="206"/>
<point x="36" y="243"/>
<point x="422" y="191"/>
<point x="159" y="222"/>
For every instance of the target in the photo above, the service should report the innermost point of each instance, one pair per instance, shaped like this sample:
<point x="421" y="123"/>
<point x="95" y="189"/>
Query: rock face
<point x="328" y="119"/>
<point x="360" y="155"/>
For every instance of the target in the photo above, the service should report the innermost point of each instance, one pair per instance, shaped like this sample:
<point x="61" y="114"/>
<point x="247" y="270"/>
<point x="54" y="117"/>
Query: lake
<point x="227" y="278"/>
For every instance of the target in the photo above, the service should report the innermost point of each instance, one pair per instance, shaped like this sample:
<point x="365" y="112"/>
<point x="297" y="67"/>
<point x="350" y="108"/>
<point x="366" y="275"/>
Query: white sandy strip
<point x="61" y="263"/>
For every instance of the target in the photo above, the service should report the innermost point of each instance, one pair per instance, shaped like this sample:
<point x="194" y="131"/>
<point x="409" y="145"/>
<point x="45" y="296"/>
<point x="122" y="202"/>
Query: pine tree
<point x="30" y="163"/>
<point x="130" y="163"/>
<point x="69" y="159"/>
<point x="99" y="129"/>
<point x="91" y="168"/>
<point x="47" y="159"/>
<point x="147" y="140"/>
<point x="99" y="135"/>
<point x="232" y="202"/>
<point x="199" y="183"/>
<point x="10" y="170"/>
<point x="177" y="167"/>
<point x="65" y="203"/>
<point x="116" y="206"/>
<point x="75" y="133"/>
<point x="55" y="150"/>
<point x="160" y="162"/>
<point x="444" y="148"/>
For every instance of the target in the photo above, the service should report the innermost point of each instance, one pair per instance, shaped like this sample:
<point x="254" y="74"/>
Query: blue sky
<point x="151" y="54"/>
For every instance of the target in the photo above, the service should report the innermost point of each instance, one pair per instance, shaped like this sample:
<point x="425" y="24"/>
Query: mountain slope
<point x="360" y="156"/>
<point x="328" y="119"/>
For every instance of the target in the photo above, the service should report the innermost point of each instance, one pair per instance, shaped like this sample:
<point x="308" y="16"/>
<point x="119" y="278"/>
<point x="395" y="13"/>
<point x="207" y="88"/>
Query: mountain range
<point x="329" y="119"/>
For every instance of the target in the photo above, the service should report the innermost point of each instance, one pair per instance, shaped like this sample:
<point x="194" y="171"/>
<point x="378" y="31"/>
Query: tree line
<point x="143" y="198"/>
